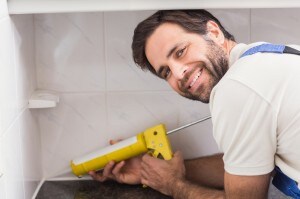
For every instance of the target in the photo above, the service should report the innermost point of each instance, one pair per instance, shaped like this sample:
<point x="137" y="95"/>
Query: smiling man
<point x="192" y="65"/>
<point x="253" y="92"/>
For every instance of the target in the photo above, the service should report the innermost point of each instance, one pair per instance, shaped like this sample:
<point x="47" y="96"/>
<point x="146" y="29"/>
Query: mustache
<point x="183" y="82"/>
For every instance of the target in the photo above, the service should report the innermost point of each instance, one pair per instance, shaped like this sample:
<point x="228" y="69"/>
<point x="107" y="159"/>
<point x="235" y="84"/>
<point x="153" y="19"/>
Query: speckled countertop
<point x="89" y="189"/>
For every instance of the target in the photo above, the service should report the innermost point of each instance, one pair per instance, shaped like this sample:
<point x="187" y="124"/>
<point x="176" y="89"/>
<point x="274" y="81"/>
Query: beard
<point x="216" y="67"/>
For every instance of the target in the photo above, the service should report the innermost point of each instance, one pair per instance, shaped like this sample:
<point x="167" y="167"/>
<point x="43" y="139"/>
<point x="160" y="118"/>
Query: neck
<point x="228" y="45"/>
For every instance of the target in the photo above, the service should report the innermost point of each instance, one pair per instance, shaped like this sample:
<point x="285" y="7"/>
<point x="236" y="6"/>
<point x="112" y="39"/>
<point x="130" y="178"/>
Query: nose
<point x="178" y="71"/>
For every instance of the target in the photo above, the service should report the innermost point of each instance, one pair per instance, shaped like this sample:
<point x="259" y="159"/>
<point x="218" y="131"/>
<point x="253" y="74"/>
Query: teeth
<point x="195" y="79"/>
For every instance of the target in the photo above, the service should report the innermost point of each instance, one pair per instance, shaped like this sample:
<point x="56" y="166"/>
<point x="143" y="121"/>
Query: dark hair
<point x="191" y="20"/>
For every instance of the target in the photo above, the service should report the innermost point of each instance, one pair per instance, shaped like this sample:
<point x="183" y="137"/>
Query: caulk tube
<point x="120" y="151"/>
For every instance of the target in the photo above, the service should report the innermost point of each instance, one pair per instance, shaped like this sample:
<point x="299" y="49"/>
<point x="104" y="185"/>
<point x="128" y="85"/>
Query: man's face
<point x="192" y="64"/>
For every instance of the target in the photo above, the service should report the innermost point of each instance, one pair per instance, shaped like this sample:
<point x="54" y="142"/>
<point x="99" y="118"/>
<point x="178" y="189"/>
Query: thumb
<point x="178" y="154"/>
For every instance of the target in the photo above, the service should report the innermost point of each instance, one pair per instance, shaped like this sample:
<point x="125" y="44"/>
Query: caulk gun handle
<point x="157" y="142"/>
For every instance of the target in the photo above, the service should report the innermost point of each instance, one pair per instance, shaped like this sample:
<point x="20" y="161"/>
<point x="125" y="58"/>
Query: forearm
<point x="206" y="171"/>
<point x="188" y="190"/>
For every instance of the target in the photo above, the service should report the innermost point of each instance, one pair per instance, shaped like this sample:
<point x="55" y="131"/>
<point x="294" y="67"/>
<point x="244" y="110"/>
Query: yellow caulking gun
<point x="153" y="140"/>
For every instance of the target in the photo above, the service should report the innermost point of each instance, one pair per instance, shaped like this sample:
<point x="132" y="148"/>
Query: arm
<point x="206" y="171"/>
<point x="255" y="187"/>
<point x="169" y="178"/>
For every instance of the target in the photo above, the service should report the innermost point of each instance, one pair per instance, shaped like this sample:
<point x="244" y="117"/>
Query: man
<point x="254" y="96"/>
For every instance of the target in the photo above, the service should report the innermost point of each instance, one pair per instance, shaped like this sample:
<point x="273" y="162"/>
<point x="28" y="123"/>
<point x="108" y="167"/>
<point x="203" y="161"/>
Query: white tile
<point x="280" y="26"/>
<point x="1" y="121"/>
<point x="3" y="9"/>
<point x="75" y="127"/>
<point x="8" y="100"/>
<point x="24" y="58"/>
<point x="195" y="141"/>
<point x="122" y="73"/>
<point x="70" y="51"/>
<point x="138" y="111"/>
<point x="2" y="188"/>
<point x="31" y="151"/>
<point x="13" y="169"/>
<point x="2" y="176"/>
<point x="235" y="21"/>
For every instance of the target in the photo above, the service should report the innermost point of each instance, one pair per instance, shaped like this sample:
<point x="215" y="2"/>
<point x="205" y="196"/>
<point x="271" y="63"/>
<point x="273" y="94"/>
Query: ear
<point x="214" y="32"/>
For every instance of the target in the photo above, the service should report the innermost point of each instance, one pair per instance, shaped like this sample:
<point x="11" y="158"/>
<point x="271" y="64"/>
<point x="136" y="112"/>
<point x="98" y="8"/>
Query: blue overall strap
<point x="285" y="184"/>
<point x="270" y="48"/>
<point x="282" y="182"/>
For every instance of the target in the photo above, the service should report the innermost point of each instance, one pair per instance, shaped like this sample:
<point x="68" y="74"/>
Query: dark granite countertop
<point x="89" y="189"/>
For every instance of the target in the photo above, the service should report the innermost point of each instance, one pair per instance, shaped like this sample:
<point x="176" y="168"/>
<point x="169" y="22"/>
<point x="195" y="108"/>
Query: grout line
<point x="118" y="91"/>
<point x="104" y="92"/>
<point x="17" y="117"/>
<point x="21" y="156"/>
<point x="3" y="18"/>
<point x="34" y="50"/>
<point x="250" y="24"/>
<point x="34" y="21"/>
<point x="105" y="66"/>
<point x="69" y="179"/>
<point x="17" y="87"/>
<point x="104" y="49"/>
<point x="38" y="188"/>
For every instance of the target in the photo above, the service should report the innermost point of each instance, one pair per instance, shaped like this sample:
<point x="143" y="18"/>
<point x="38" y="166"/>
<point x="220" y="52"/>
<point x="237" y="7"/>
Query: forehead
<point x="168" y="30"/>
<point x="162" y="40"/>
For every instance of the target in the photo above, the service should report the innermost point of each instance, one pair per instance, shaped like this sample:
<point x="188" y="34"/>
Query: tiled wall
<point x="20" y="157"/>
<point x="276" y="25"/>
<point x="86" y="57"/>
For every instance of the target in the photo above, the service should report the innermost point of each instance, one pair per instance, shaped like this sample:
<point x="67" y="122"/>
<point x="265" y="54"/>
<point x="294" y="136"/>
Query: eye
<point x="180" y="52"/>
<point x="166" y="73"/>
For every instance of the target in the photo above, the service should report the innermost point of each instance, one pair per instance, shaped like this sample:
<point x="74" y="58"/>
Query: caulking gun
<point x="153" y="140"/>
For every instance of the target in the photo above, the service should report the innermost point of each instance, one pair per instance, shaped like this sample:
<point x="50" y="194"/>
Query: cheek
<point x="194" y="56"/>
<point x="173" y="84"/>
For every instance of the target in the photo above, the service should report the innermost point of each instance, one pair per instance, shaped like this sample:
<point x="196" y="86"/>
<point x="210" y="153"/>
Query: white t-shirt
<point x="256" y="113"/>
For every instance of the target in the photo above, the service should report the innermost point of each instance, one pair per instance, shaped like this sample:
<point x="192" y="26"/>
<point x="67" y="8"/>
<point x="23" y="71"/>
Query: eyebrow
<point x="172" y="50"/>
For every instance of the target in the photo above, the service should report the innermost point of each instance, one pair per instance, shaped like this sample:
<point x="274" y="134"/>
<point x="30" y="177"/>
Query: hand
<point x="162" y="175"/>
<point x="128" y="171"/>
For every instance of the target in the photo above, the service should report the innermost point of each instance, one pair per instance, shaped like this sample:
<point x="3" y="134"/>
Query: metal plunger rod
<point x="187" y="125"/>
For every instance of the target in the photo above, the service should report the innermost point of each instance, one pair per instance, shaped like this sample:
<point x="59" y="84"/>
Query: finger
<point x="118" y="167"/>
<point x="114" y="141"/>
<point x="144" y="175"/>
<point x="104" y="175"/>
<point x="146" y="169"/>
<point x="108" y="169"/>
<point x="144" y="165"/>
<point x="145" y="182"/>
<point x="146" y="158"/>
<point x="96" y="176"/>
<point x="178" y="154"/>
<point x="92" y="174"/>
<point x="150" y="161"/>
<point x="117" y="170"/>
